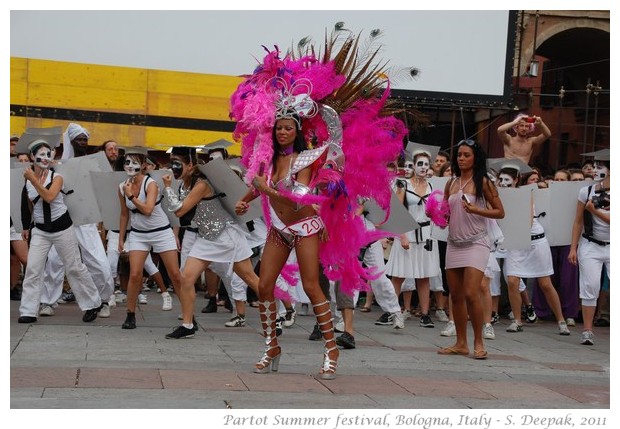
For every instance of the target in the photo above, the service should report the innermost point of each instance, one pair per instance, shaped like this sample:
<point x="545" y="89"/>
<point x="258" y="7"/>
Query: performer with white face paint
<point x="75" y="144"/>
<point x="408" y="169"/>
<point x="150" y="228"/>
<point x="417" y="256"/>
<point x="509" y="176"/>
<point x="506" y="180"/>
<point x="216" y="242"/>
<point x="590" y="241"/>
<point x="535" y="262"/>
<point x="52" y="226"/>
<point x="421" y="165"/>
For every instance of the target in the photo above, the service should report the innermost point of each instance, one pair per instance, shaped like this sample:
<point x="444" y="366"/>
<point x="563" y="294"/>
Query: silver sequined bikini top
<point x="303" y="160"/>
<point x="211" y="218"/>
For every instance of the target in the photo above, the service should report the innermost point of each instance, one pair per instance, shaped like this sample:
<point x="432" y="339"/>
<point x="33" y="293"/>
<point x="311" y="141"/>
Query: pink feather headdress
<point x="371" y="137"/>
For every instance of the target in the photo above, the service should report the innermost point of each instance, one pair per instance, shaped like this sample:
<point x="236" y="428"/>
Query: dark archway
<point x="577" y="60"/>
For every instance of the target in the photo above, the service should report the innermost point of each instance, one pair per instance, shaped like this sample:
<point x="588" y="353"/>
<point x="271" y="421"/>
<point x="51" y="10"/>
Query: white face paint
<point x="505" y="181"/>
<point x="422" y="164"/>
<point x="600" y="171"/>
<point x="408" y="169"/>
<point x="132" y="167"/>
<point x="43" y="157"/>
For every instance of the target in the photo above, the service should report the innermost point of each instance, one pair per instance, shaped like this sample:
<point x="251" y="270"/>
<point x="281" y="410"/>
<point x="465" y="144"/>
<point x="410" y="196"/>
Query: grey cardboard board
<point x="516" y="224"/>
<point x="16" y="185"/>
<point x="225" y="180"/>
<point x="105" y="185"/>
<point x="563" y="196"/>
<point x="399" y="221"/>
<point x="82" y="202"/>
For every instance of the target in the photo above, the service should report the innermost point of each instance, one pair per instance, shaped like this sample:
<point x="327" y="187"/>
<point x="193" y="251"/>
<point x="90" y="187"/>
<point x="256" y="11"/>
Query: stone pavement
<point x="61" y="362"/>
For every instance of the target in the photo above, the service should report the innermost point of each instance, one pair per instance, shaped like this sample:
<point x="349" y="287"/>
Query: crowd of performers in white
<point x="327" y="216"/>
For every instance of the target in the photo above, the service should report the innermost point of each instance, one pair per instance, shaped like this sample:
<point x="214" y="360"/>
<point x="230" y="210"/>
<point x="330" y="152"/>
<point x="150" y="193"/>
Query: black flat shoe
<point x="130" y="321"/>
<point x="211" y="307"/>
<point x="91" y="314"/>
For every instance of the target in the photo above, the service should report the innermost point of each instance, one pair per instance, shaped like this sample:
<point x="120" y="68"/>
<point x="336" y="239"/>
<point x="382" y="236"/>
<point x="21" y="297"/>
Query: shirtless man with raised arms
<point x="522" y="143"/>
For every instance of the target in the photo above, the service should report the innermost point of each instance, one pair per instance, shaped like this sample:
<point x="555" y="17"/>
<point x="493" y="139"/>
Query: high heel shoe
<point x="267" y="362"/>
<point x="328" y="371"/>
<point x="324" y="320"/>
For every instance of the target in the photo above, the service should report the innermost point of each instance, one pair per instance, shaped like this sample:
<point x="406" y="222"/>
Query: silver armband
<point x="172" y="198"/>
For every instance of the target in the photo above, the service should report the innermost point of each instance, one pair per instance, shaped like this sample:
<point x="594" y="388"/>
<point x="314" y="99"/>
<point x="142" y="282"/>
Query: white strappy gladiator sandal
<point x="268" y="363"/>
<point x="328" y="370"/>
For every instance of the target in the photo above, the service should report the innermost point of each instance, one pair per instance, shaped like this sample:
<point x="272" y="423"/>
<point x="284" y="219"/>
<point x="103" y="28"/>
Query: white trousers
<point x="236" y="288"/>
<point x="93" y="256"/>
<point x="592" y="258"/>
<point x="66" y="245"/>
<point x="112" y="252"/>
<point x="382" y="287"/>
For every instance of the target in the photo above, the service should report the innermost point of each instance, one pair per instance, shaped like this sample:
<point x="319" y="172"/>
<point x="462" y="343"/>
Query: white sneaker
<point x="46" y="310"/>
<point x="488" y="332"/>
<point x="236" y="322"/>
<point x="449" y="330"/>
<point x="515" y="327"/>
<point x="142" y="299"/>
<point x="289" y="318"/>
<point x="587" y="338"/>
<point x="304" y="310"/>
<point x="441" y="315"/>
<point x="339" y="327"/>
<point x="120" y="297"/>
<point x="563" y="329"/>
<point x="406" y="315"/>
<point x="112" y="301"/>
<point x="399" y="320"/>
<point x="570" y="321"/>
<point x="105" y="311"/>
<point x="167" y="304"/>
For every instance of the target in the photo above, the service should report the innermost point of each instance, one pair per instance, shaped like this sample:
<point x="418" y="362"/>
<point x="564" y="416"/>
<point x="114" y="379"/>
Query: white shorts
<point x="15" y="236"/>
<point x="160" y="241"/>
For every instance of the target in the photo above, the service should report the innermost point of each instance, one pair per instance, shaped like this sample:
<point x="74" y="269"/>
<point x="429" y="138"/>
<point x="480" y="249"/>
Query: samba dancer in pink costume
<point x="308" y="195"/>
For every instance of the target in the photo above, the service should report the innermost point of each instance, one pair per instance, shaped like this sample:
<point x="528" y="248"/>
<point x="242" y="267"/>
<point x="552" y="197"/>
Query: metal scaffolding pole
<point x="585" y="121"/>
<point x="596" y="91"/>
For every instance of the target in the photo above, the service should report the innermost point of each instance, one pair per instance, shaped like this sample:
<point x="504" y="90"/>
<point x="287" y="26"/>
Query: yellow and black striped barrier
<point x="133" y="106"/>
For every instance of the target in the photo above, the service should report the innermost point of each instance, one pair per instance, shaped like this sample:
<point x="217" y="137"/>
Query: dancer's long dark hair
<point x="480" y="165"/>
